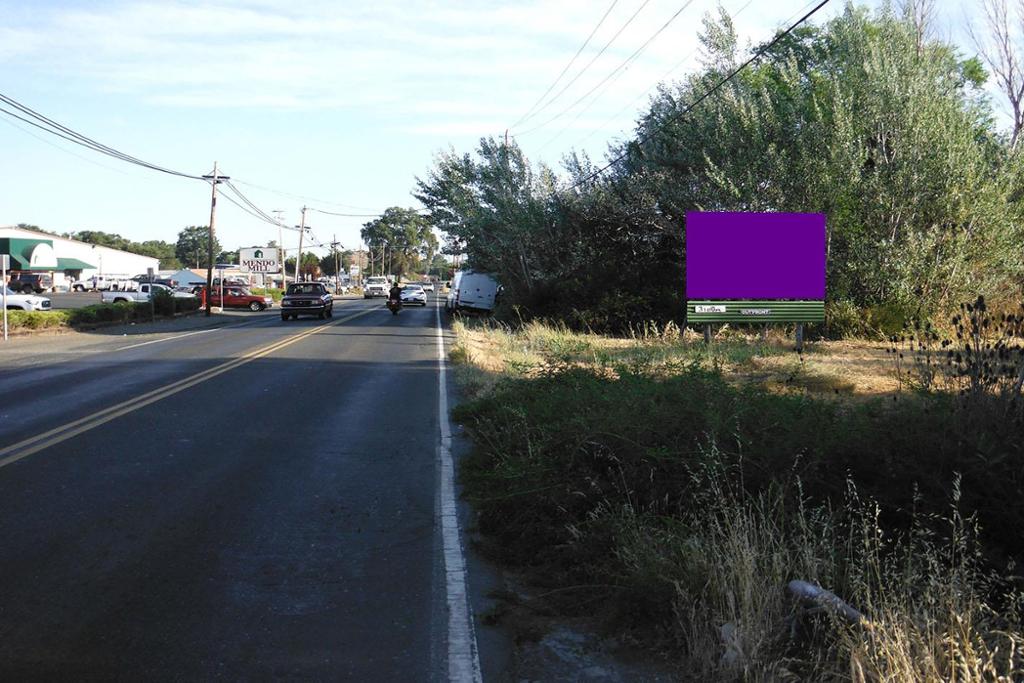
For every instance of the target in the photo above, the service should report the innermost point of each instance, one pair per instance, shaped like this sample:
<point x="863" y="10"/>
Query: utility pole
<point x="337" y="263"/>
<point x="298" y="258"/>
<point x="280" y="244"/>
<point x="214" y="179"/>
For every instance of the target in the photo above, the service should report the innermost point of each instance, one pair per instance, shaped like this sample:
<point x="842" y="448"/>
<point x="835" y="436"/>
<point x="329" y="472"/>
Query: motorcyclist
<point x="395" y="294"/>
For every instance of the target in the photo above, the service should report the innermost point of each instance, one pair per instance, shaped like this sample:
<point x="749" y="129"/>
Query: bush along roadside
<point x="100" y="314"/>
<point x="679" y="507"/>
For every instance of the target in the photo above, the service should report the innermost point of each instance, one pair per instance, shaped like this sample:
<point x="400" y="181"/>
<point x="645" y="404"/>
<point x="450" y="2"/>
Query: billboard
<point x="755" y="267"/>
<point x="258" y="260"/>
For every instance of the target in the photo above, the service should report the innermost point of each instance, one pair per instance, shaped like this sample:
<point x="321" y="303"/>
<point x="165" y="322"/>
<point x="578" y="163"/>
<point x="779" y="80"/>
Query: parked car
<point x="427" y="286"/>
<point x="26" y="302"/>
<point x="376" y="285"/>
<point x="240" y="297"/>
<point x="310" y="298"/>
<point x="140" y="293"/>
<point x="413" y="295"/>
<point x="167" y="282"/>
<point x="472" y="291"/>
<point x="26" y="282"/>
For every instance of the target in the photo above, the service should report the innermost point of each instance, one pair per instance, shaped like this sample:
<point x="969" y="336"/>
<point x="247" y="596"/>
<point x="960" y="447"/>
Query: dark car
<point x="27" y="283"/>
<point x="307" y="297"/>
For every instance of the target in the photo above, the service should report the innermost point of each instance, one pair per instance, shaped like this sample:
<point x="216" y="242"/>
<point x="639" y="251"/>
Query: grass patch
<point x="681" y="495"/>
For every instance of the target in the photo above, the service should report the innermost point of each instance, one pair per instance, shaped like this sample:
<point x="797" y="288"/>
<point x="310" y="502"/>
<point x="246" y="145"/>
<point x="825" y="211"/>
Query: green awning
<point x="72" y="264"/>
<point x="18" y="263"/>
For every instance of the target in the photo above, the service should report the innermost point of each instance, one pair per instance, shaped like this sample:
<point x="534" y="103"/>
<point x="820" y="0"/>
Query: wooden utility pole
<point x="215" y="180"/>
<point x="337" y="263"/>
<point x="280" y="246"/>
<point x="298" y="258"/>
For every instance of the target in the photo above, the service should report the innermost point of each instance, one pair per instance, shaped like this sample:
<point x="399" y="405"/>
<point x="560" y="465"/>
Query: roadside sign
<point x="258" y="260"/>
<point x="353" y="270"/>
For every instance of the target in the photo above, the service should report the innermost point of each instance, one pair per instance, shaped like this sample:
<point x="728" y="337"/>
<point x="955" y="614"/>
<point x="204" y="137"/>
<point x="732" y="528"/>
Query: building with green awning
<point x="69" y="260"/>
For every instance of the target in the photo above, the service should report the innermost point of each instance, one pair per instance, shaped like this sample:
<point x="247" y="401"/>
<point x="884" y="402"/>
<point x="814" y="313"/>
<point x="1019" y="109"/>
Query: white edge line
<point x="463" y="658"/>
<point x="189" y="334"/>
<point x="157" y="341"/>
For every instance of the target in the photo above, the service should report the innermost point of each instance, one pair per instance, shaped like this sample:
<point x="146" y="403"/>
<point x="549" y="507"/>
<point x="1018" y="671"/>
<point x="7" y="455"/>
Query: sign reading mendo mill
<point x="258" y="260"/>
<point x="755" y="267"/>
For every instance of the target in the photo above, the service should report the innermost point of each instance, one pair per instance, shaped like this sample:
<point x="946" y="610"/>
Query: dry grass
<point x="845" y="370"/>
<point x="723" y="560"/>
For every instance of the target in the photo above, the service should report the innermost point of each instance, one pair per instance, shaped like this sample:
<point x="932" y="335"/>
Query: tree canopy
<point x="886" y="132"/>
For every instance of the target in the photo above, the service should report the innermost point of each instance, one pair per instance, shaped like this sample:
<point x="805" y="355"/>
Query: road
<point x="260" y="500"/>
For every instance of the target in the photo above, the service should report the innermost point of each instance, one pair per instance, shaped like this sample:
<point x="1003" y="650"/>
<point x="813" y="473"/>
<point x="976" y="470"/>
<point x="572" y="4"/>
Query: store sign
<point x="258" y="260"/>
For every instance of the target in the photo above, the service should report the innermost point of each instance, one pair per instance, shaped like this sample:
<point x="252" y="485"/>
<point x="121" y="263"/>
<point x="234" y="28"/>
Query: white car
<point x="413" y="294"/>
<point x="26" y="302"/>
<point x="427" y="286"/>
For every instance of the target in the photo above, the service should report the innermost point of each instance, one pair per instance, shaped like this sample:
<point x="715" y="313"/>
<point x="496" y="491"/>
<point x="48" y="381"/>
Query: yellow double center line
<point x="23" y="449"/>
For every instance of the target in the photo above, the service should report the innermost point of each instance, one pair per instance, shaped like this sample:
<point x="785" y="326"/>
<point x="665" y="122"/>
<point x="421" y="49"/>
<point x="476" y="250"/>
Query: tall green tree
<point x="399" y="239"/>
<point x="191" y="247"/>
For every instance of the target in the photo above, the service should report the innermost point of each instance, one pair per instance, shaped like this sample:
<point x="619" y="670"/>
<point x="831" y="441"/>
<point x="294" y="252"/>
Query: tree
<point x="868" y="119"/>
<point x="1002" y="50"/>
<point x="227" y="257"/>
<point x="398" y="240"/>
<point x="191" y="247"/>
<point x="160" y="250"/>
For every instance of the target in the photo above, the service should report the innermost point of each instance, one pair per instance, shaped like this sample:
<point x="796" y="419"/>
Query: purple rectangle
<point x="755" y="255"/>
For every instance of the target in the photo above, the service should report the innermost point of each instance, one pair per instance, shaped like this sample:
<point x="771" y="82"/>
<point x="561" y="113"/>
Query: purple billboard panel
<point x="755" y="255"/>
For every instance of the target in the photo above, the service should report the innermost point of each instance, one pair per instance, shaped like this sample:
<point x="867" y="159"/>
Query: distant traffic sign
<point x="353" y="269"/>
<point x="259" y="260"/>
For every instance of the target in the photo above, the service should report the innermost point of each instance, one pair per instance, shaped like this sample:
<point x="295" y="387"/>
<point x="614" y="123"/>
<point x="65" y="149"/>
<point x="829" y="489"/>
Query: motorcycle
<point x="394" y="305"/>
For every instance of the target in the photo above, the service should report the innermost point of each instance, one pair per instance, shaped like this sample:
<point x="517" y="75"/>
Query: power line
<point x="567" y="66"/>
<point x="54" y="128"/>
<point x="679" y="115"/>
<point x="591" y="62"/>
<point x="617" y="70"/>
<point x="665" y="75"/>
<point x="303" y="197"/>
<point x="354" y="215"/>
<point x="43" y="140"/>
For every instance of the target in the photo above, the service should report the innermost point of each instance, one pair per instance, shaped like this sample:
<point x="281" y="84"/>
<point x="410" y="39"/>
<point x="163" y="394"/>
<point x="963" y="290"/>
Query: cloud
<point x="443" y="66"/>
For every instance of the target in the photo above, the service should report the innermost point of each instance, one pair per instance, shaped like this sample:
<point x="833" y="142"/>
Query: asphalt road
<point x="259" y="500"/>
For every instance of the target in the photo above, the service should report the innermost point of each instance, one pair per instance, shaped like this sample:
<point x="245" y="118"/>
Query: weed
<point x="685" y="504"/>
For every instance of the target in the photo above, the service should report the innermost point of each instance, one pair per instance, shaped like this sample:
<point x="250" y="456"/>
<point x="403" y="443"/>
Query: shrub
<point x="164" y="303"/>
<point x="844" y="319"/>
<point x="36" y="320"/>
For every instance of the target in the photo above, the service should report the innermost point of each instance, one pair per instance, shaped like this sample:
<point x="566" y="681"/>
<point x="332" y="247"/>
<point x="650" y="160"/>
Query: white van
<point x="472" y="291"/>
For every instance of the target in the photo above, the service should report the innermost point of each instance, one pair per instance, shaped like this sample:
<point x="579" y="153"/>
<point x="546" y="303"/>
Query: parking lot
<point x="66" y="300"/>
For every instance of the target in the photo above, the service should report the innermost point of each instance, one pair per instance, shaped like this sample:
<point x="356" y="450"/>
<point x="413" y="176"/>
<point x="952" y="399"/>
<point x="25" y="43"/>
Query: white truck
<point x="471" y="291"/>
<point x="376" y="285"/>
<point x="141" y="293"/>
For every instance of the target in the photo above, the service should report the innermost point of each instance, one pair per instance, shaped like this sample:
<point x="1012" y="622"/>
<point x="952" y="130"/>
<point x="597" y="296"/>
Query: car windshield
<point x="304" y="289"/>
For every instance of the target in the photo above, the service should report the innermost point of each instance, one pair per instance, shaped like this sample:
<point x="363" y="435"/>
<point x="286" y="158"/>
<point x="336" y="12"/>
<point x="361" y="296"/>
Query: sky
<point x="335" y="105"/>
